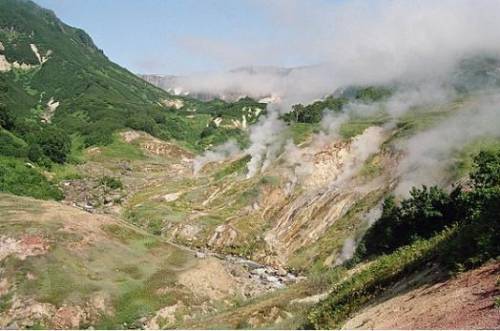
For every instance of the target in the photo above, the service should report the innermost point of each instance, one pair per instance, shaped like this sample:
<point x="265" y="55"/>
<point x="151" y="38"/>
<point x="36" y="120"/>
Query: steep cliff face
<point x="329" y="190"/>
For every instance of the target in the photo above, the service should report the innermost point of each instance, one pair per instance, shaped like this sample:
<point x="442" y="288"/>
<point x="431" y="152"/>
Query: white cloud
<point x="355" y="42"/>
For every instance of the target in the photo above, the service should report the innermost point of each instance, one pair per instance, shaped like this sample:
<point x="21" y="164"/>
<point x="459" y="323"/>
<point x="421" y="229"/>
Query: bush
<point x="111" y="182"/>
<point x="479" y="238"/>
<point x="19" y="179"/>
<point x="55" y="143"/>
<point x="430" y="210"/>
<point x="372" y="94"/>
<point x="6" y="118"/>
<point x="35" y="154"/>
<point x="426" y="212"/>
<point x="142" y="123"/>
<point x="100" y="133"/>
<point x="11" y="145"/>
<point x="313" y="113"/>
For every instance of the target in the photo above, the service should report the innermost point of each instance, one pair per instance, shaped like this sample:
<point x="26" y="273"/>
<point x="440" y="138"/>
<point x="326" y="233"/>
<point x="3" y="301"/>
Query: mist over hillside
<point x="258" y="82"/>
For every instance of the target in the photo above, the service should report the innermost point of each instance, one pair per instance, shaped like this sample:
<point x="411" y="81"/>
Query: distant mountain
<point x="230" y="85"/>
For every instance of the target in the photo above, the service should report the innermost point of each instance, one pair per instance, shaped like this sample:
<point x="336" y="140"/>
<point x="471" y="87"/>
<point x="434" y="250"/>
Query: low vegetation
<point x="458" y="231"/>
<point x="313" y="112"/>
<point x="24" y="179"/>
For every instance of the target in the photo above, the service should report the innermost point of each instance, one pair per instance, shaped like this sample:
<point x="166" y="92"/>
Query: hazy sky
<point x="184" y="36"/>
<point x="361" y="40"/>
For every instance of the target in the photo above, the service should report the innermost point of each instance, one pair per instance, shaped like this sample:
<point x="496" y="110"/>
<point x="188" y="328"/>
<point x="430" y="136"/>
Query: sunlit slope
<point x="269" y="217"/>
<point x="66" y="268"/>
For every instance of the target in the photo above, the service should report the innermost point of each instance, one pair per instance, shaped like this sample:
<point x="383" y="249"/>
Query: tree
<point x="487" y="169"/>
<point x="426" y="212"/>
<point x="55" y="143"/>
<point x="35" y="153"/>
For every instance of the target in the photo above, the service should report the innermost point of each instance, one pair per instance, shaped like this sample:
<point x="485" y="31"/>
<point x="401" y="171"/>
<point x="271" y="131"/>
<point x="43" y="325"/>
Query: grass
<point x="127" y="265"/>
<point x="118" y="149"/>
<point x="123" y="234"/>
<point x="76" y="155"/>
<point x="134" y="303"/>
<point x="234" y="167"/>
<point x="65" y="172"/>
<point x="371" y="167"/>
<point x="464" y="157"/>
<point x="21" y="179"/>
<point x="349" y="296"/>
<point x="5" y="302"/>
<point x="420" y="119"/>
<point x="301" y="132"/>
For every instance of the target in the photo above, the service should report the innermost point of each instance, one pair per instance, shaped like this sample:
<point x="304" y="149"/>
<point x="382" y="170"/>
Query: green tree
<point x="55" y="143"/>
<point x="426" y="212"/>
<point x="35" y="153"/>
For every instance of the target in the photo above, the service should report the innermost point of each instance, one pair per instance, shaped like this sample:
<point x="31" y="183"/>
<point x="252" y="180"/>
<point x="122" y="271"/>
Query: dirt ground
<point x="464" y="302"/>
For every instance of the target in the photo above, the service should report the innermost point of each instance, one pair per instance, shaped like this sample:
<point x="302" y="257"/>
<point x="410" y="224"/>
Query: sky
<point x="187" y="36"/>
<point x="341" y="41"/>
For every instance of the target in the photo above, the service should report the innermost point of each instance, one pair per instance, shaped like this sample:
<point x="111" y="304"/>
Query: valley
<point x="242" y="202"/>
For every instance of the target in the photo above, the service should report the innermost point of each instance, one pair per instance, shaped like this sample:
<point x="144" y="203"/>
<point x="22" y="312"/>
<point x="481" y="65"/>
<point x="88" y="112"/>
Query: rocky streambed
<point x="265" y="276"/>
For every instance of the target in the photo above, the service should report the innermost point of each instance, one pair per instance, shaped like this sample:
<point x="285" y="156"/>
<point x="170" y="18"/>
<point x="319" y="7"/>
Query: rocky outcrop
<point x="27" y="245"/>
<point x="5" y="65"/>
<point x="331" y="187"/>
<point x="224" y="235"/>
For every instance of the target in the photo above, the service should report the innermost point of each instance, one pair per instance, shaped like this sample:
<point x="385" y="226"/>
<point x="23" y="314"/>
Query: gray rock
<point x="200" y="255"/>
<point x="273" y="279"/>
<point x="258" y="271"/>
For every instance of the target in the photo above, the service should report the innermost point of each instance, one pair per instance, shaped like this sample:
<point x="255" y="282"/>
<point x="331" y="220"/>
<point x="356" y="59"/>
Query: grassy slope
<point x="87" y="256"/>
<point x="96" y="96"/>
<point x="350" y="295"/>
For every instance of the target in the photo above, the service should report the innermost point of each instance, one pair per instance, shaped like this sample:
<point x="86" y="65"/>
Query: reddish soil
<point x="464" y="302"/>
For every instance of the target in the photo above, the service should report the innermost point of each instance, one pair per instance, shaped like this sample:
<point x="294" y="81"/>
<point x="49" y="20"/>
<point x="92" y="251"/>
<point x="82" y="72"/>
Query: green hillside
<point x="60" y="93"/>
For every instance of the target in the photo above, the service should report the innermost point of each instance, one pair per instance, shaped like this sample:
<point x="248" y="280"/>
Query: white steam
<point x="428" y="154"/>
<point x="266" y="137"/>
<point x="351" y="243"/>
<point x="414" y="46"/>
<point x="219" y="153"/>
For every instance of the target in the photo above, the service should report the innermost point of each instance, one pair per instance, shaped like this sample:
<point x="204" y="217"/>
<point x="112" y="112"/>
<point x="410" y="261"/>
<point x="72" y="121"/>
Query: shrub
<point x="313" y="113"/>
<point x="19" y="179"/>
<point x="111" y="182"/>
<point x="479" y="238"/>
<point x="55" y="143"/>
<point x="11" y="145"/>
<point x="6" y="119"/>
<point x="426" y="212"/>
<point x="100" y="133"/>
<point x="429" y="210"/>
